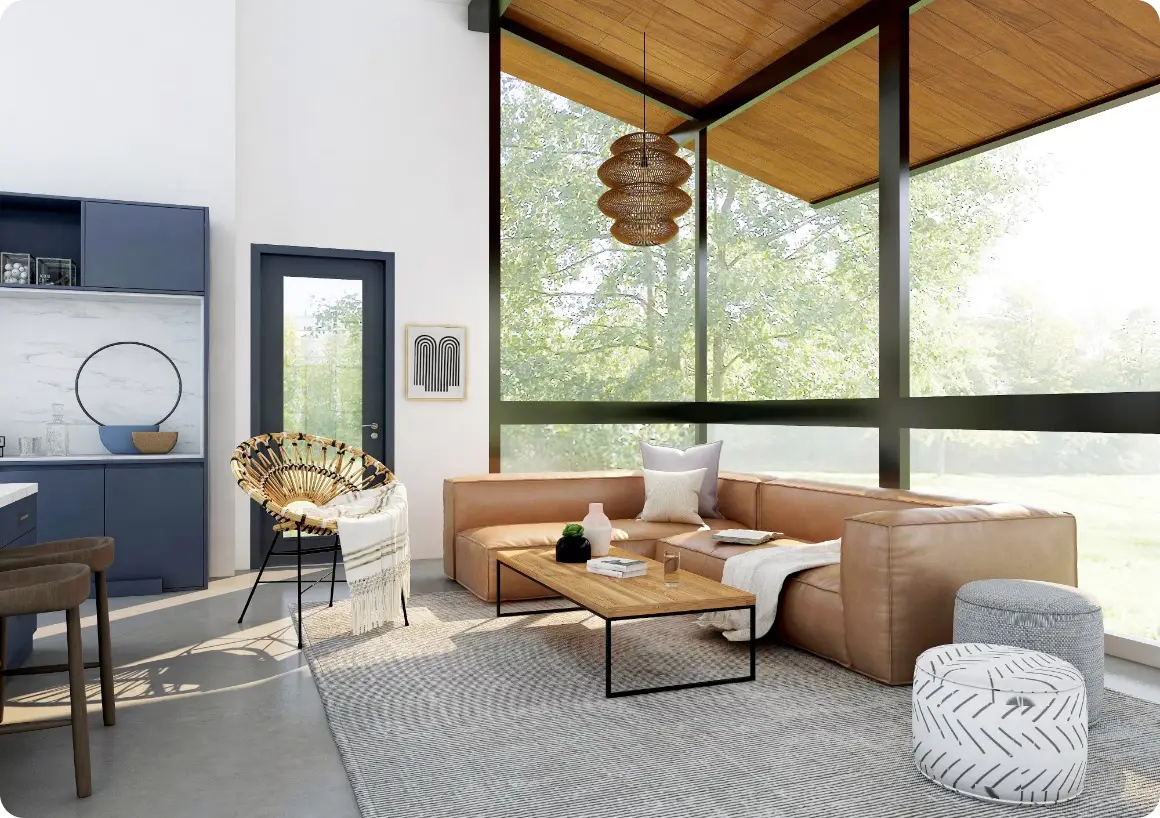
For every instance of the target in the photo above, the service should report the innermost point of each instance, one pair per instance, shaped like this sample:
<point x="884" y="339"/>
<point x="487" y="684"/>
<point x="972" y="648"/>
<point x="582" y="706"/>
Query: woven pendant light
<point x="644" y="175"/>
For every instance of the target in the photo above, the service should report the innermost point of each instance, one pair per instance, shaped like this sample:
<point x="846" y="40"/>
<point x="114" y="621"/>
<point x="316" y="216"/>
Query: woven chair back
<point x="280" y="468"/>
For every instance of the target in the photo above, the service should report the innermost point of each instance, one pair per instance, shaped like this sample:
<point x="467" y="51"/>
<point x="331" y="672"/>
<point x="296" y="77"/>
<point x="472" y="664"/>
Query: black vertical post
<point x="495" y="192"/>
<point x="894" y="242"/>
<point x="701" y="300"/>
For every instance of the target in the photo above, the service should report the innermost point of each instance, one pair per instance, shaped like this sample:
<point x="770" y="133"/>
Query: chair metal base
<point x="298" y="552"/>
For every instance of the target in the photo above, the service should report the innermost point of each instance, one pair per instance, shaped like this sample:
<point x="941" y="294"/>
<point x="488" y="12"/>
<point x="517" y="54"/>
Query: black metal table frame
<point x="609" y="693"/>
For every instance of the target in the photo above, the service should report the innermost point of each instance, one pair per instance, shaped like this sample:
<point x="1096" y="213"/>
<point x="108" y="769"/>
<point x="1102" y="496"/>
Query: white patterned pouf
<point x="1000" y="723"/>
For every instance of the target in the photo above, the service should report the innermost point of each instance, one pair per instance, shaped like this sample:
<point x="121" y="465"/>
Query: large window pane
<point x="1109" y="482"/>
<point x="793" y="293"/>
<point x="581" y="447"/>
<point x="1034" y="265"/>
<point x="830" y="453"/>
<point x="322" y="357"/>
<point x="583" y="316"/>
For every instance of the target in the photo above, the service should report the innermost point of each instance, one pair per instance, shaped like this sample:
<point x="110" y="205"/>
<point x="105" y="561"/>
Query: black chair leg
<point x="403" y="596"/>
<point x="298" y="549"/>
<point x="261" y="571"/>
<point x="334" y="569"/>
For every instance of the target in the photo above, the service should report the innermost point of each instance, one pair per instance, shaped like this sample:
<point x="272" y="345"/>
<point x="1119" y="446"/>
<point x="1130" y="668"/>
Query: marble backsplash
<point x="44" y="339"/>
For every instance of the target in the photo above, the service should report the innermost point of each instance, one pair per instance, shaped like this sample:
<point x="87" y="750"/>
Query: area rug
<point x="462" y="714"/>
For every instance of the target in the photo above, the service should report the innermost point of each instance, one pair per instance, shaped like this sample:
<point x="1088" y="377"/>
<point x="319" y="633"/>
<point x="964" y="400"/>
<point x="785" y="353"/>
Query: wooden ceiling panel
<point x="980" y="70"/>
<point x="535" y="66"/>
<point x="697" y="49"/>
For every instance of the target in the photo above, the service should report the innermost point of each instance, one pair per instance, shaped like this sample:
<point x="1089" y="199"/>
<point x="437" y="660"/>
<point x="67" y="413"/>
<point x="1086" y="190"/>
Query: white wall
<point x="134" y="99"/>
<point x="355" y="124"/>
<point x="363" y="125"/>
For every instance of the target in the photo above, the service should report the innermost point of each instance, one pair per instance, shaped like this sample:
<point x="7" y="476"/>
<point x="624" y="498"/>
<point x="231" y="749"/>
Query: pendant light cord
<point x="644" y="99"/>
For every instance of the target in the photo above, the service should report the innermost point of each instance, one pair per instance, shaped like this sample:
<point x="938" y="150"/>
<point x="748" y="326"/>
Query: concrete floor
<point x="214" y="719"/>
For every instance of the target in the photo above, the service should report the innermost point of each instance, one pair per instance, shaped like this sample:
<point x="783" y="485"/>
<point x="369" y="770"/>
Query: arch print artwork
<point x="436" y="362"/>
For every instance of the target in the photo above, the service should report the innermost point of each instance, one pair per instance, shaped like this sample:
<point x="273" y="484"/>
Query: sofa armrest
<point x="902" y="569"/>
<point x="503" y="499"/>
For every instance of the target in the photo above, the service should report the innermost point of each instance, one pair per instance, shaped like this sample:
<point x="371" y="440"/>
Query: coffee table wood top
<point x="614" y="598"/>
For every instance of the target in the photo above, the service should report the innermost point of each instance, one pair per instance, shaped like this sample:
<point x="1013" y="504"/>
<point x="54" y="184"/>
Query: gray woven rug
<point x="462" y="714"/>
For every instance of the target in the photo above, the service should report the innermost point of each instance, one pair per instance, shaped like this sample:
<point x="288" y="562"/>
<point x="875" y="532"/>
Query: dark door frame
<point x="259" y="520"/>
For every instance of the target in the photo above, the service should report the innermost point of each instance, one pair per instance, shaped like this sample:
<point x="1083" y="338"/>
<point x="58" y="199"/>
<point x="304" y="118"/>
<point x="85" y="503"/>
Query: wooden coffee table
<point x="614" y="600"/>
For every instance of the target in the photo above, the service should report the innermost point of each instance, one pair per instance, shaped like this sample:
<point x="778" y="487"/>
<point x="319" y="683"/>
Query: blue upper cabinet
<point x="144" y="247"/>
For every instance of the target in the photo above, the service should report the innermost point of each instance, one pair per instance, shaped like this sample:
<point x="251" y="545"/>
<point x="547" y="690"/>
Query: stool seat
<point x="95" y="552"/>
<point x="43" y="589"/>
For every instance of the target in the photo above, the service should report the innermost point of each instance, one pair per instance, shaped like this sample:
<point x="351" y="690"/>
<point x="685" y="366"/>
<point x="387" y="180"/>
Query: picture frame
<point x="435" y="362"/>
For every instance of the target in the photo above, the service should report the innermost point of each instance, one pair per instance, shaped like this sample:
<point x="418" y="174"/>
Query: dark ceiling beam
<point x="1054" y="121"/>
<point x="847" y="33"/>
<point x="479" y="14"/>
<point x="594" y="66"/>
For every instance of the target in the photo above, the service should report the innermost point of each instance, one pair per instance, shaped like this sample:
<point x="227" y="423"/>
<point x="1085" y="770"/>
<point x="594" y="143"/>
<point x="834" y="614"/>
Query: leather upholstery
<point x="815" y="512"/>
<point x="95" y="552"/>
<point x="901" y="570"/>
<point x="703" y="555"/>
<point x="43" y="589"/>
<point x="475" y="550"/>
<point x="904" y="554"/>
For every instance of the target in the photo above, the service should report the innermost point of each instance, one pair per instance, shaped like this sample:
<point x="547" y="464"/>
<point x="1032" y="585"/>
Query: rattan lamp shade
<point x="645" y="175"/>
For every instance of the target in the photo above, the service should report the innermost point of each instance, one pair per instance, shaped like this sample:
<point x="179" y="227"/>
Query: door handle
<point x="374" y="427"/>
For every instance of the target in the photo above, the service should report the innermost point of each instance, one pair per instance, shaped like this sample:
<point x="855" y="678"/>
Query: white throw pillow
<point x="672" y="496"/>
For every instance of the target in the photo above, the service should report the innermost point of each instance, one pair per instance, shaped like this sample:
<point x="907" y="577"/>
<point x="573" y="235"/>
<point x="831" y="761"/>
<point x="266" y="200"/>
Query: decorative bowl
<point x="154" y="442"/>
<point x="119" y="439"/>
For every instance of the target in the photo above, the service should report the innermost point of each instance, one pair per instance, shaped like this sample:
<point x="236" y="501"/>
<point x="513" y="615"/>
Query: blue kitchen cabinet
<point x="70" y="501"/>
<point x="156" y="515"/>
<point x="144" y="247"/>
<point x="18" y="529"/>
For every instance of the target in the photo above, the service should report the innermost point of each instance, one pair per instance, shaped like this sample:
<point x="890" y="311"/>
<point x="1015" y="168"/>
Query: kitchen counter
<point x="11" y="492"/>
<point x="18" y="514"/>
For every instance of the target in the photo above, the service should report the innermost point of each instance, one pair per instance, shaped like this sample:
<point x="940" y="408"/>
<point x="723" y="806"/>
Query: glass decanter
<point x="56" y="433"/>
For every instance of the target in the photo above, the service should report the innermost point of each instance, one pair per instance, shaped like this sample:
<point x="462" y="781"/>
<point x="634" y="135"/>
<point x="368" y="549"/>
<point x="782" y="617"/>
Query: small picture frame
<point x="436" y="362"/>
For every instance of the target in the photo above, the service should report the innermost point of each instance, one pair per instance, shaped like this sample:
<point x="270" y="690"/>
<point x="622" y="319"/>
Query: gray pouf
<point x="1056" y="619"/>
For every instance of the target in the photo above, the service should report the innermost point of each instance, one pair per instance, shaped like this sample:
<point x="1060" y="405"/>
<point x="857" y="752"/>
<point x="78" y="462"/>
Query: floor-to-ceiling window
<point x="1032" y="284"/>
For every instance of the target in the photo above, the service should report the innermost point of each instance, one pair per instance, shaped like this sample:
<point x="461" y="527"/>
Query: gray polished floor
<point x="214" y="719"/>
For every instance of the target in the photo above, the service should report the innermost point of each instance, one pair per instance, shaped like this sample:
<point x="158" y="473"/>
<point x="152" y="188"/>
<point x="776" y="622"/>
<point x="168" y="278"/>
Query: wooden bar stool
<point x="97" y="554"/>
<point x="48" y="589"/>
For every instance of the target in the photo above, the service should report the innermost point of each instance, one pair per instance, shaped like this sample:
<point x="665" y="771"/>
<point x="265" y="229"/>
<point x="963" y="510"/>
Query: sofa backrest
<point x="815" y="511"/>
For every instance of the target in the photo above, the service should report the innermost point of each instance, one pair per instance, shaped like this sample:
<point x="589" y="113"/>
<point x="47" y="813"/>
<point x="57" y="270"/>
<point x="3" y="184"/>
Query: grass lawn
<point x="1118" y="517"/>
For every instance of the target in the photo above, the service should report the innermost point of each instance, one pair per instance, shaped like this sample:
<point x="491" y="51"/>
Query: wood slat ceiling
<point x="980" y="69"/>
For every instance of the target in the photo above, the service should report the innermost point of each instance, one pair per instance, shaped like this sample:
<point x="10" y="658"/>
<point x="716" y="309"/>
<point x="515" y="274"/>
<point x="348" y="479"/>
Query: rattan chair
<point x="282" y="468"/>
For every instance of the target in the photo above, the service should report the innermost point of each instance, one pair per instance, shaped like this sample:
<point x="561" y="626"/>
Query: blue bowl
<point x="119" y="439"/>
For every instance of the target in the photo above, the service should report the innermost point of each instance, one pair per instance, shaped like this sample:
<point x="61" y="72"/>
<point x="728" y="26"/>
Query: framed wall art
<point x="436" y="362"/>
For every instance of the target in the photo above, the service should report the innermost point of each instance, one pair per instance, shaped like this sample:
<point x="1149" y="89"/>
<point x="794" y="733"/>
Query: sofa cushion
<point x="475" y="550"/>
<point x="701" y="554"/>
<point x="706" y="456"/>
<point x="810" y="616"/>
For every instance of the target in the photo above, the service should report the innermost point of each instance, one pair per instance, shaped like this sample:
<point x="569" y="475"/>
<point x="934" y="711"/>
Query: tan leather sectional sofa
<point x="904" y="555"/>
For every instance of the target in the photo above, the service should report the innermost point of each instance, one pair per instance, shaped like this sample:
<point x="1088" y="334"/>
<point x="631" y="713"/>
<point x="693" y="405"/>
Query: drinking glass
<point x="672" y="568"/>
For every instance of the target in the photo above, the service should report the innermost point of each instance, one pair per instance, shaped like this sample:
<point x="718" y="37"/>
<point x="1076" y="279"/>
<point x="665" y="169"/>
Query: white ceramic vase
<point x="598" y="529"/>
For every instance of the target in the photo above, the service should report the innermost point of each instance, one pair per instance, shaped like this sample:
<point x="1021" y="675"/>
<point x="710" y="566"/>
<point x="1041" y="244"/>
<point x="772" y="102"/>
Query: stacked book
<point x="618" y="567"/>
<point x="743" y="536"/>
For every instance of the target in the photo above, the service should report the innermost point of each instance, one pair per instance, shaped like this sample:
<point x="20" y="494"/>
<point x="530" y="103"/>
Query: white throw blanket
<point x="763" y="572"/>
<point x="376" y="551"/>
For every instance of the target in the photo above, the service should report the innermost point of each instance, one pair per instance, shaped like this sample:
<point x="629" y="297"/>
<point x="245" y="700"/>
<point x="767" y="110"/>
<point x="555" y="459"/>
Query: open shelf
<point x="42" y="227"/>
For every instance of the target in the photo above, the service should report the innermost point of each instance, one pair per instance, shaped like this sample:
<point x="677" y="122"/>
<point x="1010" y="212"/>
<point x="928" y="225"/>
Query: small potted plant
<point x="573" y="546"/>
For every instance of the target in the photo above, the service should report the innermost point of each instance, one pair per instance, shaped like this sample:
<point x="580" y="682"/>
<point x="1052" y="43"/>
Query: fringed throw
<point x="376" y="552"/>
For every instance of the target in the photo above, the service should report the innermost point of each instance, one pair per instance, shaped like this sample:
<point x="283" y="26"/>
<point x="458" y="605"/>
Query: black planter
<point x="573" y="549"/>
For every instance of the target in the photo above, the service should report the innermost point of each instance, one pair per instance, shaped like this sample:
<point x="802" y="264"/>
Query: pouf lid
<point x="1028" y="596"/>
<point x="999" y="667"/>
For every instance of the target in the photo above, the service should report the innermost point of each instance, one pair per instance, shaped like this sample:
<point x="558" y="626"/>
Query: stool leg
<point x="105" y="651"/>
<point x="3" y="660"/>
<point x="403" y="597"/>
<point x="80" y="723"/>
